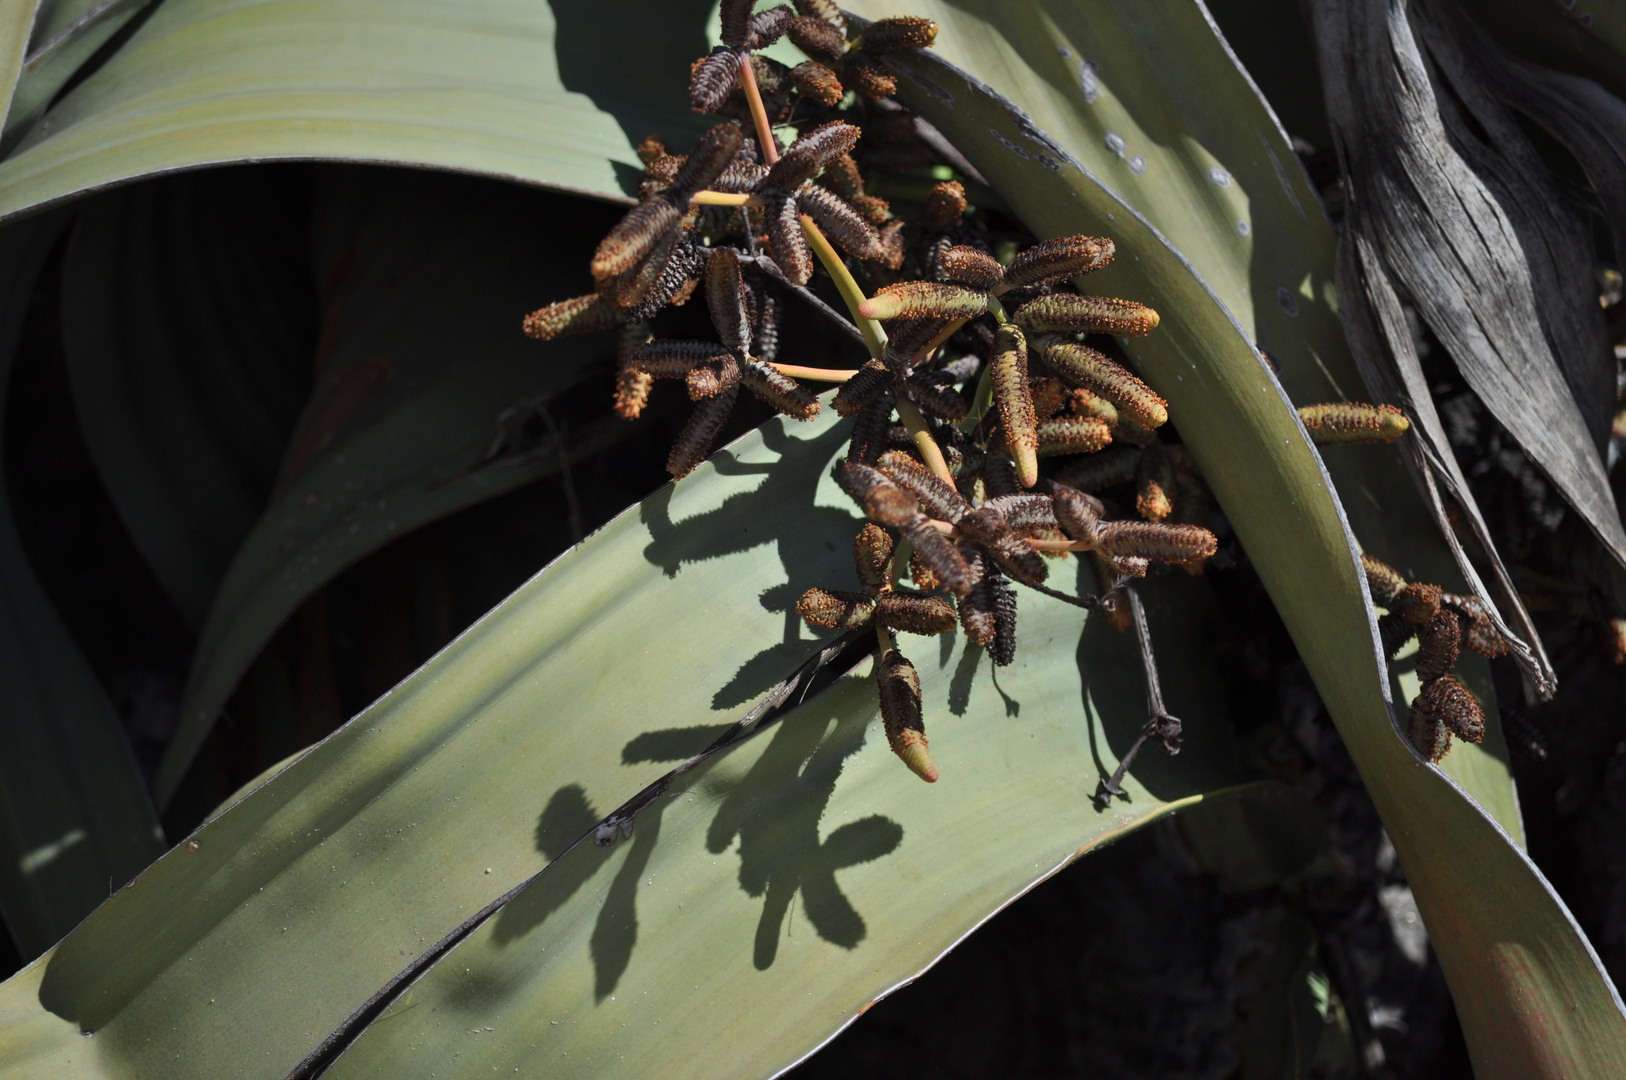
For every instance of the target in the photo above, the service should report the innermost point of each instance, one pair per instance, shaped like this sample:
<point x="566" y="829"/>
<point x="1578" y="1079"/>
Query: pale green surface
<point x="426" y="385"/>
<point x="573" y="694"/>
<point x="66" y="35"/>
<point x="1210" y="118"/>
<point x="16" y="16"/>
<point x="1532" y="997"/>
<point x="490" y="86"/>
<point x="74" y="814"/>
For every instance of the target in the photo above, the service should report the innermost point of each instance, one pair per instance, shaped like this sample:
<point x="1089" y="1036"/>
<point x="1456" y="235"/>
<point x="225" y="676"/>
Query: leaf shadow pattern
<point x="809" y="540"/>
<point x="567" y="818"/>
<point x="781" y="853"/>
<point x="589" y="41"/>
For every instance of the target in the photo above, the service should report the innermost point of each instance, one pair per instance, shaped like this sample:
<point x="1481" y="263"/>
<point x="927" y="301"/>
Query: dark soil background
<point x="1135" y="962"/>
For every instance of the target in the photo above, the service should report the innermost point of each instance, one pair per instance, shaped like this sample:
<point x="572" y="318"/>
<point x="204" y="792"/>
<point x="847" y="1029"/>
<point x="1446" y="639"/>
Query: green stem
<point x="874" y="336"/>
<point x="997" y="310"/>
<point x="930" y="452"/>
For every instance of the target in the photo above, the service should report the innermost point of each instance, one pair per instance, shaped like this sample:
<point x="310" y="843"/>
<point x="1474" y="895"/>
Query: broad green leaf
<point x="779" y="890"/>
<point x="1532" y="996"/>
<point x="253" y="941"/>
<point x="1202" y="159"/>
<point x="189" y="326"/>
<point x="428" y="397"/>
<point x="67" y="34"/>
<point x="543" y="93"/>
<point x="16" y="17"/>
<point x="75" y="820"/>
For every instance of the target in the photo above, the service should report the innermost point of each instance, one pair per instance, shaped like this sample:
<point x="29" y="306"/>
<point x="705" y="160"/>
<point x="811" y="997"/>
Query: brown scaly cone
<point x="902" y="715"/>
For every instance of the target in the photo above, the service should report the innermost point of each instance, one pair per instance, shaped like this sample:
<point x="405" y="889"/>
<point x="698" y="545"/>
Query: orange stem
<point x="759" y="114"/>
<point x="815" y="374"/>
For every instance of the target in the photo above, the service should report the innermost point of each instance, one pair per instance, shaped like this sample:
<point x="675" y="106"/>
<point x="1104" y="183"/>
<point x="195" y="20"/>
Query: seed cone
<point x="715" y="151"/>
<point x="673" y="359"/>
<point x="1438" y="642"/>
<point x="1353" y="422"/>
<point x="1078" y="514"/>
<point x="1417" y="603"/>
<point x="807" y="155"/>
<point x="1051" y="262"/>
<point x="868" y="76"/>
<point x="885" y="502"/>
<point x="1154" y="484"/>
<point x="857" y="392"/>
<point x="977" y="604"/>
<point x="694" y="441"/>
<point x="1382" y="580"/>
<point x="1393" y="633"/>
<point x="711" y="377"/>
<point x="1085" y="367"/>
<point x="736" y="21"/>
<point x="901" y="714"/>
<point x="790" y="250"/>
<point x="1088" y="314"/>
<point x="768" y="26"/>
<point x="1026" y="513"/>
<point x="1158" y="543"/>
<point x="813" y="80"/>
<point x="972" y="268"/>
<point x="712" y="79"/>
<point x="899" y="33"/>
<point x="779" y="390"/>
<point x="1015" y="405"/>
<point x="940" y="553"/>
<point x="840" y="222"/>
<point x="582" y="315"/>
<point x="872" y="554"/>
<point x="834" y="610"/>
<point x="945" y="205"/>
<point x="631" y="385"/>
<point x="870" y="428"/>
<point x="817" y="37"/>
<point x="634" y="236"/>
<point x="1072" y="435"/>
<point x="1432" y="738"/>
<point x="912" y="614"/>
<point x="1003" y="649"/>
<point x="1005" y="547"/>
<point x="725" y="299"/>
<point x="940" y="500"/>
<point x="924" y="300"/>
<point x="1446" y="700"/>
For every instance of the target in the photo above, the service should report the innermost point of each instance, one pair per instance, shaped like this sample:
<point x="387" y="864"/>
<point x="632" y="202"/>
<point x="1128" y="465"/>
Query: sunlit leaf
<point x="513" y="88"/>
<point x="626" y="655"/>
